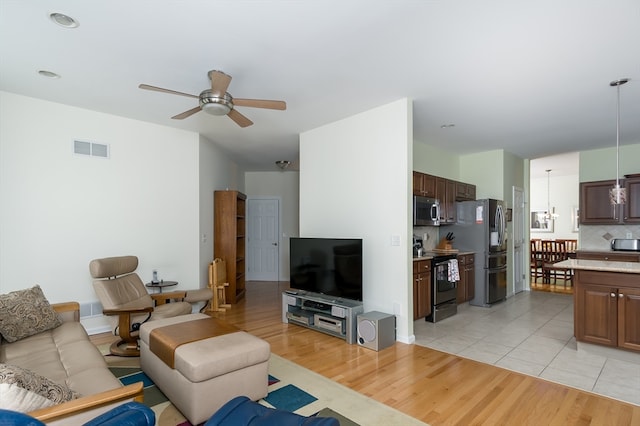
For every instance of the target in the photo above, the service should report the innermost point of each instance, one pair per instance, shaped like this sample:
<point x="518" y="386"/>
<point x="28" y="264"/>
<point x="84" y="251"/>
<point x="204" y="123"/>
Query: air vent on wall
<point x="91" y="149"/>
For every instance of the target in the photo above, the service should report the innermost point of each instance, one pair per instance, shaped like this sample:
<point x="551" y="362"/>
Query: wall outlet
<point x="629" y="235"/>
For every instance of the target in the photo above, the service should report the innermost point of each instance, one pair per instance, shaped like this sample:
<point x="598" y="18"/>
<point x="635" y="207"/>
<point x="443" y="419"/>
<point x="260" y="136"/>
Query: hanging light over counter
<point x="618" y="195"/>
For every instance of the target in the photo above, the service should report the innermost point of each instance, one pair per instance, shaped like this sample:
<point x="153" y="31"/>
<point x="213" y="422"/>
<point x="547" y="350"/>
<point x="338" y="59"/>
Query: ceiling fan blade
<point x="186" y="114"/>
<point x="160" y="89"/>
<point x="240" y="119"/>
<point x="219" y="82"/>
<point x="260" y="103"/>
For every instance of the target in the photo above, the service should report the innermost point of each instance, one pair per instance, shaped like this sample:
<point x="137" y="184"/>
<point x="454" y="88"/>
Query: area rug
<point x="291" y="387"/>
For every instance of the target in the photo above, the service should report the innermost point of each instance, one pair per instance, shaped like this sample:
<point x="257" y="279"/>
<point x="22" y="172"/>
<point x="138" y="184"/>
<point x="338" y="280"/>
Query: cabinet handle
<point x="620" y="295"/>
<point x="613" y="295"/>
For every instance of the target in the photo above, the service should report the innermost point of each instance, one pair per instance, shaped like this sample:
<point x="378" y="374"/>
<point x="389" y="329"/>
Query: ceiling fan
<point x="217" y="101"/>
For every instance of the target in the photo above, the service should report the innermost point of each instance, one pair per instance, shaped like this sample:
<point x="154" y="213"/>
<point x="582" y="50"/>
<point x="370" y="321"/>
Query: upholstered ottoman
<point x="200" y="363"/>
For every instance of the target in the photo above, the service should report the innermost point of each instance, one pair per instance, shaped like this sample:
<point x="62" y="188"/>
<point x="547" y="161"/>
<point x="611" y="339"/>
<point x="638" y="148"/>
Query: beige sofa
<point x="65" y="356"/>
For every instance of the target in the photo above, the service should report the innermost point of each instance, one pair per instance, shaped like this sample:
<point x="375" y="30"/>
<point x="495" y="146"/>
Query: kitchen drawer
<point x="466" y="259"/>
<point x="614" y="256"/>
<point x="421" y="266"/>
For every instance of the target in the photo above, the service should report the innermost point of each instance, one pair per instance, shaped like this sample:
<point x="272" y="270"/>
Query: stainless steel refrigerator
<point x="481" y="227"/>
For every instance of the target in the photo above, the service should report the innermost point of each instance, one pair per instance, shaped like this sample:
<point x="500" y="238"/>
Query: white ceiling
<point x="529" y="77"/>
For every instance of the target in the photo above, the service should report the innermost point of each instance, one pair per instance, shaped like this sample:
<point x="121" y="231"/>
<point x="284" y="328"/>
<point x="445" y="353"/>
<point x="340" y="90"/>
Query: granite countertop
<point x="600" y="265"/>
<point x="428" y="255"/>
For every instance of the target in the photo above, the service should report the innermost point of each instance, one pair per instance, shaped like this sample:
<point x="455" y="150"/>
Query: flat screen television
<point x="331" y="266"/>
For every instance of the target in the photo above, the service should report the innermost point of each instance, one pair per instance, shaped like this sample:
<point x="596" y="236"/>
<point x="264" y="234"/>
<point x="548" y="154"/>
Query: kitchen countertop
<point x="600" y="265"/>
<point x="428" y="255"/>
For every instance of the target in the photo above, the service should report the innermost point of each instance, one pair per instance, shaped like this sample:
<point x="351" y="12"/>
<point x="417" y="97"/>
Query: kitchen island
<point x="606" y="302"/>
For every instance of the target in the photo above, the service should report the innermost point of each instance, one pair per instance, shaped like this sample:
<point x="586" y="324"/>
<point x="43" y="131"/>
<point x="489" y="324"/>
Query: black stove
<point x="443" y="285"/>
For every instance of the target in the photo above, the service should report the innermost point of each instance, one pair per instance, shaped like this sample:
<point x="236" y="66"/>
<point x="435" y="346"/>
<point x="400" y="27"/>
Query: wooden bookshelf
<point x="229" y="226"/>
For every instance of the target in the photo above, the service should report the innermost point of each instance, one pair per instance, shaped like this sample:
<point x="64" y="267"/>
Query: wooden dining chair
<point x="535" y="260"/>
<point x="571" y="245"/>
<point x="548" y="248"/>
<point x="557" y="253"/>
<point x="565" y="248"/>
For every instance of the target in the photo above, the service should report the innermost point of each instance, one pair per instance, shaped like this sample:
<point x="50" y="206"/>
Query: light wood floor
<point x="435" y="387"/>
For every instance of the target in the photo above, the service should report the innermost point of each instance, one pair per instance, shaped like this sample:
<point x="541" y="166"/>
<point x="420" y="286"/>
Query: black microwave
<point x="426" y="211"/>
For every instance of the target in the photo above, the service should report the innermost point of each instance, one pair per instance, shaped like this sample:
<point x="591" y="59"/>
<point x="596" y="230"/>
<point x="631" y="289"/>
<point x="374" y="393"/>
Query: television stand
<point x="328" y="314"/>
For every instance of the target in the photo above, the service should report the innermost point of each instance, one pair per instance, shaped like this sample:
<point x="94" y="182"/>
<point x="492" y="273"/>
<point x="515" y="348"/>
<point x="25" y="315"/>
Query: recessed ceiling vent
<point x="90" y="148"/>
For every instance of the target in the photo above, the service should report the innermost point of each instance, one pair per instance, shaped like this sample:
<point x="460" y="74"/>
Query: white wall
<point x="60" y="210"/>
<point x="434" y="161"/>
<point x="355" y="181"/>
<point x="563" y="195"/>
<point x="284" y="185"/>
<point x="217" y="172"/>
<point x="600" y="164"/>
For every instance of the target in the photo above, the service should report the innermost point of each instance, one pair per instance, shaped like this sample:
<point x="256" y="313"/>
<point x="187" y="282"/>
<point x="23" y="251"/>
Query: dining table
<point x="545" y="253"/>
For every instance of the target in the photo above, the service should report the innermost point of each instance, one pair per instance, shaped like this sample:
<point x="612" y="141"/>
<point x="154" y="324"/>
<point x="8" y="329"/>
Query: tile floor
<point x="532" y="333"/>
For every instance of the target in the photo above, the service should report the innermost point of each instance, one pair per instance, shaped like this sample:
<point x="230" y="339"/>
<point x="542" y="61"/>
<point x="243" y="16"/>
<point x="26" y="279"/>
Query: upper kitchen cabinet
<point x="465" y="191"/>
<point x="424" y="185"/>
<point x="446" y="194"/>
<point x="446" y="191"/>
<point x="596" y="209"/>
<point x="632" y="208"/>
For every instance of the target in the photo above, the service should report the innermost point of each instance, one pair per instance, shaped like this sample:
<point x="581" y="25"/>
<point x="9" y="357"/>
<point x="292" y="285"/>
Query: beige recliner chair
<point x="125" y="298"/>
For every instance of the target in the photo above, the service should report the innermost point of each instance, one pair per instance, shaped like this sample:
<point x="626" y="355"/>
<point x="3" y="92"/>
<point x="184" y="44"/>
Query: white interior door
<point x="263" y="251"/>
<point x="519" y="265"/>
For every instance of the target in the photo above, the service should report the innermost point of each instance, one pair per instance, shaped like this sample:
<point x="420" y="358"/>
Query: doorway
<point x="519" y="264"/>
<point x="263" y="242"/>
<point x="554" y="198"/>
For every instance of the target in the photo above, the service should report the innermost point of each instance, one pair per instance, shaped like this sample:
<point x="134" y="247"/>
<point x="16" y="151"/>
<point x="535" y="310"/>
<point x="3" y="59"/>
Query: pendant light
<point x="618" y="195"/>
<point x="550" y="214"/>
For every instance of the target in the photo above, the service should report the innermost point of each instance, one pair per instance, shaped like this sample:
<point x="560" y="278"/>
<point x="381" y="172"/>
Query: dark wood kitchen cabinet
<point x="467" y="284"/>
<point x="424" y="185"/>
<point x="596" y="209"/>
<point x="446" y="194"/>
<point x="632" y="208"/>
<point x="465" y="191"/>
<point x="607" y="312"/>
<point x="421" y="289"/>
<point x="446" y="191"/>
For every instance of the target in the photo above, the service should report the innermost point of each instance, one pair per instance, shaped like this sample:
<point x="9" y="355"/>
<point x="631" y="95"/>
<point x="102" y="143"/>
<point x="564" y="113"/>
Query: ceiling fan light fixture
<point x="215" y="109"/>
<point x="215" y="105"/>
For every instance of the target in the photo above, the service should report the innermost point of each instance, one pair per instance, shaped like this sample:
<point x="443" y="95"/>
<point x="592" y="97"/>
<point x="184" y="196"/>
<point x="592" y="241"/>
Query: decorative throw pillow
<point x="23" y="390"/>
<point x="24" y="313"/>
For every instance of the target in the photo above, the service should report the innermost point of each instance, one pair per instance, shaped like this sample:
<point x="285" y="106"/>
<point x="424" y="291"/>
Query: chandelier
<point x="550" y="214"/>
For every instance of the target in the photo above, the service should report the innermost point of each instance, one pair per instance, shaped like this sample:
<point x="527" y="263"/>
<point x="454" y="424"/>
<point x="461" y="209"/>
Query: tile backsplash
<point x="598" y="237"/>
<point x="429" y="234"/>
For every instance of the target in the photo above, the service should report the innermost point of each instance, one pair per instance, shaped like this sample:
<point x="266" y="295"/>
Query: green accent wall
<point x="600" y="164"/>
